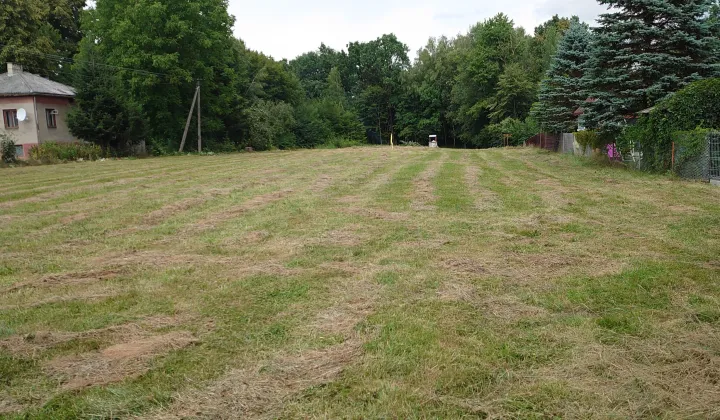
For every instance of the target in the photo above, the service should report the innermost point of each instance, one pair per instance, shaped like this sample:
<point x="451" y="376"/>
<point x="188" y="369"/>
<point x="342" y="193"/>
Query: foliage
<point x="52" y="151"/>
<point x="410" y="144"/>
<point x="101" y="115"/>
<point x="174" y="44"/>
<point x="695" y="106"/>
<point x="376" y="67"/>
<point x="31" y="29"/>
<point x="498" y="70"/>
<point x="518" y="130"/>
<point x="271" y="125"/>
<point x="689" y="146"/>
<point x="561" y="92"/>
<point x="591" y="139"/>
<point x="313" y="69"/>
<point x="7" y="148"/>
<point x="425" y="106"/>
<point x="638" y="58"/>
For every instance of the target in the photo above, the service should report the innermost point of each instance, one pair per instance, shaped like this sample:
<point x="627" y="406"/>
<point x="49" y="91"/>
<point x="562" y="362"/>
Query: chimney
<point x="14" y="69"/>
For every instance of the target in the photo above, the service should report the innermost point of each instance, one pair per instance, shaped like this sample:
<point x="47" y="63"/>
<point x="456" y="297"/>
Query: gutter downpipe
<point x="37" y="120"/>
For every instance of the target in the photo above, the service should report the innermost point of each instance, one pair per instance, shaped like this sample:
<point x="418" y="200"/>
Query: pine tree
<point x="643" y="51"/>
<point x="561" y="90"/>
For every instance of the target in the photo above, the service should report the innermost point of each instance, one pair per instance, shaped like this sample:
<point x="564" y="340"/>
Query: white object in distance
<point x="21" y="114"/>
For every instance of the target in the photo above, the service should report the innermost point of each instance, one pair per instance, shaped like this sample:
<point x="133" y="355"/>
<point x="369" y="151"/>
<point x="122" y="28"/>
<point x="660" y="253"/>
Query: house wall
<point x="26" y="133"/>
<point x="61" y="133"/>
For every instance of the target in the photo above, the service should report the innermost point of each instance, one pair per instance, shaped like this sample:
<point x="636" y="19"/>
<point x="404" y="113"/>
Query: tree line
<point x="135" y="65"/>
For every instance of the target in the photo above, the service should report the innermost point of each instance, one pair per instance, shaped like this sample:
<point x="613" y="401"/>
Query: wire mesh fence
<point x="696" y="154"/>
<point x="714" y="154"/>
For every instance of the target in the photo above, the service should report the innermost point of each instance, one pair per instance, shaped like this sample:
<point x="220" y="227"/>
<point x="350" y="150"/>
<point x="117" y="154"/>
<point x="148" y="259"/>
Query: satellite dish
<point x="21" y="114"/>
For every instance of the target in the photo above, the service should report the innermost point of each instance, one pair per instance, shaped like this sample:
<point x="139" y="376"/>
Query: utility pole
<point x="189" y="118"/>
<point x="199" y="119"/>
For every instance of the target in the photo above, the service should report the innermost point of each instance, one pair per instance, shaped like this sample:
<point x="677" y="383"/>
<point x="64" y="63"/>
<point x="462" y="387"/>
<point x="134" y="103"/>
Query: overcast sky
<point x="286" y="29"/>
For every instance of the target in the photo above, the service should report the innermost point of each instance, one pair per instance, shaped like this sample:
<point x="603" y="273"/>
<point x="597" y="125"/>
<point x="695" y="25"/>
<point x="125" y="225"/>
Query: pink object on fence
<point x="612" y="152"/>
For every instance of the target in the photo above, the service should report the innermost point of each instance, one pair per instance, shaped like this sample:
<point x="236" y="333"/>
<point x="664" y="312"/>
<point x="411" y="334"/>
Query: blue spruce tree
<point x="561" y="92"/>
<point x="644" y="50"/>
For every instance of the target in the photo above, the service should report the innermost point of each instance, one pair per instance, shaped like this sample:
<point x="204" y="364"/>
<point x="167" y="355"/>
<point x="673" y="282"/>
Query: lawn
<point x="358" y="283"/>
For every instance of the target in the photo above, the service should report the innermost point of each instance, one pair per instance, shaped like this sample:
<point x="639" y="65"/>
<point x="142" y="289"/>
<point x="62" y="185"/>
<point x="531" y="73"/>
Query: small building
<point x="433" y="141"/>
<point x="34" y="109"/>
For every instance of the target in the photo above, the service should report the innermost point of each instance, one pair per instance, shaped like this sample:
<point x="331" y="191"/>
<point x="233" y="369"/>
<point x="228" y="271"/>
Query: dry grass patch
<point x="509" y="308"/>
<point x="66" y="279"/>
<point x="115" y="363"/>
<point x="261" y="390"/>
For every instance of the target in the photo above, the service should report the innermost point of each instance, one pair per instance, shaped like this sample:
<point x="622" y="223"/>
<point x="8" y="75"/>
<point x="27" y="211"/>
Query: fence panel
<point x="696" y="155"/>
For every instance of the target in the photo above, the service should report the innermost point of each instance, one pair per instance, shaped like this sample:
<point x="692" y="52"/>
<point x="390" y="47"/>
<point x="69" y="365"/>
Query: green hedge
<point x="697" y="106"/>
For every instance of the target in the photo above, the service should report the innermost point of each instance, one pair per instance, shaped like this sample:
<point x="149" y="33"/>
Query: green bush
<point x="697" y="106"/>
<point x="66" y="151"/>
<point x="339" y="143"/>
<point x="7" y="148"/>
<point x="592" y="139"/>
<point x="494" y="134"/>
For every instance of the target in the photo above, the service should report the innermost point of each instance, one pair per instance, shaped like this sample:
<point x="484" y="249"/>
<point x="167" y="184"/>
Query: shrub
<point x="7" y="148"/>
<point x="410" y="144"/>
<point x="592" y="139"/>
<point x="339" y="143"/>
<point x="693" y="107"/>
<point x="66" y="151"/>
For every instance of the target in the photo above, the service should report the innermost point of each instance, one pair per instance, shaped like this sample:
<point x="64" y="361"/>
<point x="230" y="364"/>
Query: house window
<point x="10" y="117"/>
<point x="51" y="117"/>
<point x="19" y="152"/>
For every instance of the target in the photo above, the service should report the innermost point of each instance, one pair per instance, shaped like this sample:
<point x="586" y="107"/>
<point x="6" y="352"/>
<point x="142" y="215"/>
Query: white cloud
<point x="286" y="29"/>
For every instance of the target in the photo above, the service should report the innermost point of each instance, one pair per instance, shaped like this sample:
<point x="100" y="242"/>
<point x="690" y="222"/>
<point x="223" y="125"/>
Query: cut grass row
<point x="362" y="283"/>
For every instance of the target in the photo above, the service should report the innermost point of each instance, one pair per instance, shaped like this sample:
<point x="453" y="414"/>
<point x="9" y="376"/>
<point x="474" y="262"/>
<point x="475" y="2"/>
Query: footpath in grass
<point x="361" y="283"/>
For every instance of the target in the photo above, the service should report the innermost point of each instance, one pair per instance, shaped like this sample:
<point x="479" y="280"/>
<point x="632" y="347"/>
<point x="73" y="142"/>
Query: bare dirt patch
<point x="115" y="363"/>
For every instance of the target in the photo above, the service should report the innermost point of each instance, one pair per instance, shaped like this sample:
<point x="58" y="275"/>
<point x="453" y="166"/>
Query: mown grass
<point x="359" y="283"/>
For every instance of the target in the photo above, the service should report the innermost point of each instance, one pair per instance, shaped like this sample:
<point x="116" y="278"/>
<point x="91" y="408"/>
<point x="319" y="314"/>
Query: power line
<point x="73" y="61"/>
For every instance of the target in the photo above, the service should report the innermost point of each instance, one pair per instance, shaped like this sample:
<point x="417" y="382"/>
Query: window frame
<point x="50" y="117"/>
<point x="19" y="150"/>
<point x="6" y="119"/>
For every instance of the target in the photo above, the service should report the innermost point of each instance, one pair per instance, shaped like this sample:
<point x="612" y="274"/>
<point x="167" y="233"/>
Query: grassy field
<point x="358" y="283"/>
